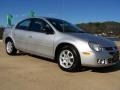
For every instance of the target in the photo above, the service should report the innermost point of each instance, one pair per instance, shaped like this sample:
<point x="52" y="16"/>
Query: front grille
<point x="113" y="51"/>
<point x="108" y="48"/>
<point x="112" y="60"/>
<point x="115" y="57"/>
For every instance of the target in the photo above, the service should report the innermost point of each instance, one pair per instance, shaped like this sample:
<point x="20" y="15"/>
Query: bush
<point x="1" y="32"/>
<point x="109" y="28"/>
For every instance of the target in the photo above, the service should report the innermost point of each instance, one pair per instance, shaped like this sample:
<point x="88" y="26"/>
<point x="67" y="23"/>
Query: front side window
<point x="24" y="25"/>
<point x="39" y="25"/>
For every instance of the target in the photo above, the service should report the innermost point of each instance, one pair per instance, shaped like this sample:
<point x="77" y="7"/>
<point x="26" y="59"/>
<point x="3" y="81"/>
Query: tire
<point x="10" y="48"/>
<point x="69" y="59"/>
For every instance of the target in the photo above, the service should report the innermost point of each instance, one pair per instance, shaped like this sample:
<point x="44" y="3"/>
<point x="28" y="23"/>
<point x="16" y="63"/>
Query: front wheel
<point x="10" y="48"/>
<point x="68" y="59"/>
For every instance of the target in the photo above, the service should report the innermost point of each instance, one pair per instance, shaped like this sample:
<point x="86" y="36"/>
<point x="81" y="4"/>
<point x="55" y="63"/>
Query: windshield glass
<point x="64" y="26"/>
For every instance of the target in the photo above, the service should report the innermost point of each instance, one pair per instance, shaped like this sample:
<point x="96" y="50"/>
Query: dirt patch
<point x="24" y="72"/>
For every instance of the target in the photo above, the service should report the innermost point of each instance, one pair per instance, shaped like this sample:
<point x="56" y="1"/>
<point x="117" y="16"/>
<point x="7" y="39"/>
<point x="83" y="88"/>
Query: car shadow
<point x="20" y="53"/>
<point x="107" y="69"/>
<point x="83" y="69"/>
<point x="43" y="58"/>
<point x="100" y="69"/>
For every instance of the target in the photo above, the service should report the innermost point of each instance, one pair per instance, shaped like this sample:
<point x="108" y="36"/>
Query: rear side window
<point x="24" y="25"/>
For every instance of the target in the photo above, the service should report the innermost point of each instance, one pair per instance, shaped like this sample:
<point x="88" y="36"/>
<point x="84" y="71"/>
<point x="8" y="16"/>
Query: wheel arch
<point x="62" y="45"/>
<point x="7" y="39"/>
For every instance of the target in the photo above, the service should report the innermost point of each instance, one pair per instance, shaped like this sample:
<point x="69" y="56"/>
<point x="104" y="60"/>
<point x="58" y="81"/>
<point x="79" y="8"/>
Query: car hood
<point x="90" y="37"/>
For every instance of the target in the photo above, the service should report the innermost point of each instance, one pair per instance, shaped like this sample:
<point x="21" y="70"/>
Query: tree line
<point x="103" y="28"/>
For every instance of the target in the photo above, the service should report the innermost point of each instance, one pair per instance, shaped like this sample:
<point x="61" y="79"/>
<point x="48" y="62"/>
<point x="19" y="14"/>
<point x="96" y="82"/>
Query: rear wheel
<point x="10" y="48"/>
<point x="68" y="59"/>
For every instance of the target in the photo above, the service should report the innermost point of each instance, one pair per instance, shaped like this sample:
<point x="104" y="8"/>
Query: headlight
<point x="95" y="46"/>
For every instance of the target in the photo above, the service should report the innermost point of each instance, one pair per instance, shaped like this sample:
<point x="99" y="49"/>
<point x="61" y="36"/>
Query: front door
<point x="41" y="42"/>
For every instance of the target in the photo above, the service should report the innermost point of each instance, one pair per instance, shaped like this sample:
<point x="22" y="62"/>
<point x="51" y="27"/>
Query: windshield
<point x="64" y="26"/>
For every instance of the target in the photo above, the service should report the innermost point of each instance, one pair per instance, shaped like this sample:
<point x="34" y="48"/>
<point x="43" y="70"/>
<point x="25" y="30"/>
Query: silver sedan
<point x="59" y="40"/>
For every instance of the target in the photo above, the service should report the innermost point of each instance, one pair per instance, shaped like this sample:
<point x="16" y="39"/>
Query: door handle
<point x="14" y="34"/>
<point x="30" y="36"/>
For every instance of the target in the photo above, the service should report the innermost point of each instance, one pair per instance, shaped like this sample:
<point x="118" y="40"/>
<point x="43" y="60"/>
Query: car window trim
<point x="24" y="29"/>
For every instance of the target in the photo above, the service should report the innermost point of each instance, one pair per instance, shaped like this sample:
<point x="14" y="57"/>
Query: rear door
<point x="21" y="33"/>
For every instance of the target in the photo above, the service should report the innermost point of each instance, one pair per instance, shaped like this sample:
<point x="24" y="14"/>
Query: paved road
<point x="24" y="72"/>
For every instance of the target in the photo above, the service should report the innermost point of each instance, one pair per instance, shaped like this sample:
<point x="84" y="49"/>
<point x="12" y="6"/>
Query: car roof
<point x="41" y="17"/>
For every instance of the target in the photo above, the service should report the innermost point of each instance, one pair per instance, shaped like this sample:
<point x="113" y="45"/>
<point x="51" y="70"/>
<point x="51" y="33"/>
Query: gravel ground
<point x="25" y="72"/>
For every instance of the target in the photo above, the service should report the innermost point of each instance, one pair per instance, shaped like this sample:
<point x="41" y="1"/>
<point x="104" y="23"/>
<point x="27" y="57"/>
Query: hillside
<point x="104" y="28"/>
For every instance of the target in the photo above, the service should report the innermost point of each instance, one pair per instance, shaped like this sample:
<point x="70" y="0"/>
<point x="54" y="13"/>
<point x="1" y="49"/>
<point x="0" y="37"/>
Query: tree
<point x="32" y="13"/>
<point x="1" y="32"/>
<point x="110" y="28"/>
<point x="9" y="20"/>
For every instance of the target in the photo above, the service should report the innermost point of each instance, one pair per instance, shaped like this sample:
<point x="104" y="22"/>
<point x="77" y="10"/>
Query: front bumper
<point x="100" y="59"/>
